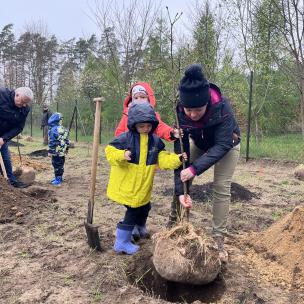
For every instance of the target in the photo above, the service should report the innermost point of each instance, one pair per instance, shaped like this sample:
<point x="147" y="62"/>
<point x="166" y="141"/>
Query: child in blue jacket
<point x="58" y="146"/>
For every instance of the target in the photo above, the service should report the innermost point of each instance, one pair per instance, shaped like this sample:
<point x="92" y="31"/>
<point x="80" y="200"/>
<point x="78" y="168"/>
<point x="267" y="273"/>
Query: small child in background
<point x="142" y="92"/>
<point x="58" y="146"/>
<point x="133" y="156"/>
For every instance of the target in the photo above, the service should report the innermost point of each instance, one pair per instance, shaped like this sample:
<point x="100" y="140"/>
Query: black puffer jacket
<point x="45" y="117"/>
<point x="213" y="134"/>
<point x="12" y="118"/>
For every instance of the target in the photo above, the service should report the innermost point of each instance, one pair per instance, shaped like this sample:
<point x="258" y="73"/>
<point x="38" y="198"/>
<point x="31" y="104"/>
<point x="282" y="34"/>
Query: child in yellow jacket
<point x="133" y="156"/>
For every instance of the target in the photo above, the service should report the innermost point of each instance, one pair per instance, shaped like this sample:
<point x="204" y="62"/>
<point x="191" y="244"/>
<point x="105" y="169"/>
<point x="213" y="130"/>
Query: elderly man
<point x="14" y="108"/>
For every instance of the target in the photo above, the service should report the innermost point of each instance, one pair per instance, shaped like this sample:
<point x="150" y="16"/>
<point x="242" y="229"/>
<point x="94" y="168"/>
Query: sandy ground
<point x="44" y="256"/>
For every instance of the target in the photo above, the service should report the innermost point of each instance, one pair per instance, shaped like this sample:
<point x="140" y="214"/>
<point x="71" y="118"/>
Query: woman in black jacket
<point x="211" y="138"/>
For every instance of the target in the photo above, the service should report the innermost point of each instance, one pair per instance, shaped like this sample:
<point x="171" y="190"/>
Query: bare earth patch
<point x="44" y="257"/>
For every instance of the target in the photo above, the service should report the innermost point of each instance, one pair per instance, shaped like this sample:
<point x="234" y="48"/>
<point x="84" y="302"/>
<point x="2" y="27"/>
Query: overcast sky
<point x="64" y="18"/>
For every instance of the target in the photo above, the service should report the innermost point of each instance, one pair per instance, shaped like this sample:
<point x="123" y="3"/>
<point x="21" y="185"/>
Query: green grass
<point x="106" y="135"/>
<point x="282" y="147"/>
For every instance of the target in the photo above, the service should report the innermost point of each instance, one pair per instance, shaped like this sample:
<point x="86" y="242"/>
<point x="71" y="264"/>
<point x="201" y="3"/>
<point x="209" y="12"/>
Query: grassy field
<point x="106" y="135"/>
<point x="284" y="147"/>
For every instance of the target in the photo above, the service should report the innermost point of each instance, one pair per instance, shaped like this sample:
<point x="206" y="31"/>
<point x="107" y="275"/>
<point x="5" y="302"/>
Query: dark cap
<point x="194" y="88"/>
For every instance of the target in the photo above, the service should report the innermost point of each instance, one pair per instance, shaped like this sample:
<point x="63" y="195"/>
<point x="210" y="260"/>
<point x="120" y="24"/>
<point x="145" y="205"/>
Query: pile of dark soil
<point x="17" y="205"/>
<point x="203" y="193"/>
<point x="283" y="243"/>
<point x="39" y="153"/>
<point x="15" y="144"/>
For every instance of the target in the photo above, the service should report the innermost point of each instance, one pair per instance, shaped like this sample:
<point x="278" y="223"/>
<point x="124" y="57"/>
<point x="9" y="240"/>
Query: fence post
<point x="249" y="115"/>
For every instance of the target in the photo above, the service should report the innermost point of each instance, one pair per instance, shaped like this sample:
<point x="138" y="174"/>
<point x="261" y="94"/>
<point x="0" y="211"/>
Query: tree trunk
<point x="302" y="107"/>
<point x="257" y="131"/>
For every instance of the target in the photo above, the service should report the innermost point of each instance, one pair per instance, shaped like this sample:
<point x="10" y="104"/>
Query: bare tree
<point x="132" y="23"/>
<point x="292" y="29"/>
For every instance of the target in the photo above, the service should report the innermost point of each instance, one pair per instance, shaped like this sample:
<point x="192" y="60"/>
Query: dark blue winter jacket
<point x="215" y="133"/>
<point x="12" y="118"/>
<point x="58" y="136"/>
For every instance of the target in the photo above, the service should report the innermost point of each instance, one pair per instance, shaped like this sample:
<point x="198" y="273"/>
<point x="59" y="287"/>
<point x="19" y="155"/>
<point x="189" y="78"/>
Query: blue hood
<point x="55" y="120"/>
<point x="141" y="112"/>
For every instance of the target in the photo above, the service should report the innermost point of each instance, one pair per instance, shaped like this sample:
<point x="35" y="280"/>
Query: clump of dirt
<point x="38" y="153"/>
<point x="29" y="138"/>
<point x="16" y="205"/>
<point x="26" y="161"/>
<point x="281" y="245"/>
<point x="41" y="193"/>
<point x="186" y="255"/>
<point x="203" y="193"/>
<point x="142" y="274"/>
<point x="299" y="172"/>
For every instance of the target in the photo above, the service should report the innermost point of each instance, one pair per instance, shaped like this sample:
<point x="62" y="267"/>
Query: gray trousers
<point x="223" y="173"/>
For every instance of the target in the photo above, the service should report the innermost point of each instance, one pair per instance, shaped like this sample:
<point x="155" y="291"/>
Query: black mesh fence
<point x="78" y="118"/>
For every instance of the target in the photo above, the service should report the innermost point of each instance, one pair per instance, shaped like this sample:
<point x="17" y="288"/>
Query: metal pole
<point x="249" y="116"/>
<point x="57" y="106"/>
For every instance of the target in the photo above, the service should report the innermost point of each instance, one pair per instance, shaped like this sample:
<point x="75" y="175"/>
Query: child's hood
<point x="55" y="119"/>
<point x="149" y="90"/>
<point x="141" y="112"/>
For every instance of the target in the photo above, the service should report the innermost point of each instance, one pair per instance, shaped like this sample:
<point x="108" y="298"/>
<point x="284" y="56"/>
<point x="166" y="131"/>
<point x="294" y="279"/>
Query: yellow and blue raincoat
<point x="131" y="181"/>
<point x="58" y="136"/>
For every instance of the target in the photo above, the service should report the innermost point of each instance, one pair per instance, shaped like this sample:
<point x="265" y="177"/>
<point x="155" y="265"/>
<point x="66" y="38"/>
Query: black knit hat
<point x="194" y="88"/>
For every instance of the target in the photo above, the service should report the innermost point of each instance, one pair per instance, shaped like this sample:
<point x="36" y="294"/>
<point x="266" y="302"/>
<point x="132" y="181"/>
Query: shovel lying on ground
<point x="91" y="229"/>
<point x="2" y="167"/>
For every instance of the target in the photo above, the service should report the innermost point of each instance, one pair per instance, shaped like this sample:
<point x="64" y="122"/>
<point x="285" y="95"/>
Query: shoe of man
<point x="18" y="184"/>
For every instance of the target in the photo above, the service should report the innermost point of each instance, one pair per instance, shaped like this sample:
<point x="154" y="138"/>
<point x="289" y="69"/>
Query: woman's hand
<point x="127" y="155"/>
<point x="186" y="174"/>
<point x="186" y="202"/>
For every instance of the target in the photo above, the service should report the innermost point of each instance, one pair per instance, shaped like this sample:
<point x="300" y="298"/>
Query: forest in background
<point x="143" y="41"/>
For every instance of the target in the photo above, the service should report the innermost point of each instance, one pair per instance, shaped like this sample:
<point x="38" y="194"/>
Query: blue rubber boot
<point x="57" y="181"/>
<point x="123" y="240"/>
<point x="140" y="232"/>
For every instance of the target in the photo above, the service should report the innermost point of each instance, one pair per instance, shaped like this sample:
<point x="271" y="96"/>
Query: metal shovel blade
<point x="93" y="236"/>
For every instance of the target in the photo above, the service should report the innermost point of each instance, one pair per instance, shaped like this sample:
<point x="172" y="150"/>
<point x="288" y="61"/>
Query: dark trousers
<point x="137" y="216"/>
<point x="45" y="130"/>
<point x="58" y="164"/>
<point x="7" y="162"/>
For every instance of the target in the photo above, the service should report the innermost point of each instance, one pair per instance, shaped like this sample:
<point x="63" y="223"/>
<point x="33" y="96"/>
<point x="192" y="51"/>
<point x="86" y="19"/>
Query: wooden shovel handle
<point x="95" y="149"/>
<point x="3" y="167"/>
